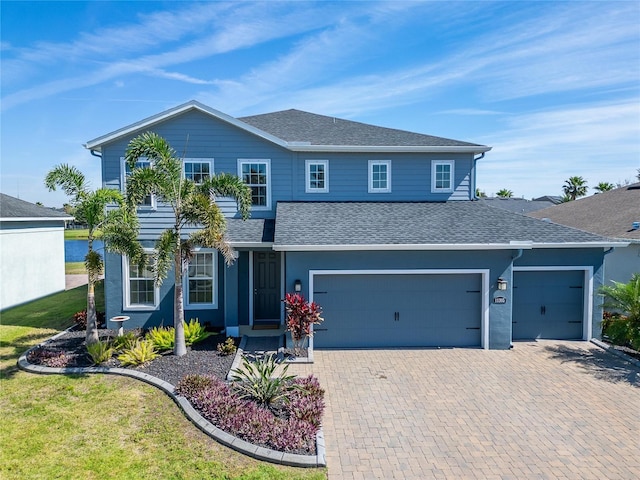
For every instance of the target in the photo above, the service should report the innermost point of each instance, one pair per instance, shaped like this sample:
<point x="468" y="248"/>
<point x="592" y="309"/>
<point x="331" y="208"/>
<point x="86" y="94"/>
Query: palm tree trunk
<point x="92" y="322"/>
<point x="180" y="347"/>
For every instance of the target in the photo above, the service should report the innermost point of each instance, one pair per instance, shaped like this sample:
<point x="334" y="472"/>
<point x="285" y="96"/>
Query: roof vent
<point x="635" y="225"/>
<point x="546" y="219"/>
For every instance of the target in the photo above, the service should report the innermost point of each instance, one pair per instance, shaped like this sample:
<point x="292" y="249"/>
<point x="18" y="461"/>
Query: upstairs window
<point x="141" y="292"/>
<point x="317" y="176"/>
<point x="200" y="279"/>
<point x="197" y="170"/>
<point x="256" y="174"/>
<point x="149" y="201"/>
<point x="442" y="176"/>
<point x="379" y="176"/>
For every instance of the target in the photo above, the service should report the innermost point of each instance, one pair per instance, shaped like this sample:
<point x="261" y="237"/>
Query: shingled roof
<point x="419" y="225"/>
<point x="610" y="213"/>
<point x="296" y="126"/>
<point x="12" y="208"/>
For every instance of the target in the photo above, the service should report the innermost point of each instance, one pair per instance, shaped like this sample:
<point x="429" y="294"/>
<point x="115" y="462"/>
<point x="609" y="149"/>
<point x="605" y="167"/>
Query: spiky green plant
<point x="126" y="341"/>
<point x="142" y="352"/>
<point x="228" y="347"/>
<point x="256" y="380"/>
<point x="100" y="351"/>
<point x="163" y="338"/>
<point x="194" y="332"/>
<point x="624" y="298"/>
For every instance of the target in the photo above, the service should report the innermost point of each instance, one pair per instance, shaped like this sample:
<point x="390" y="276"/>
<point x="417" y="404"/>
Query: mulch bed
<point x="202" y="358"/>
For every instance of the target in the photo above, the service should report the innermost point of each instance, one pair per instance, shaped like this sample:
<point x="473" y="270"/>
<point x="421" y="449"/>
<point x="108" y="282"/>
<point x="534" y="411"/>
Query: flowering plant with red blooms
<point x="300" y="316"/>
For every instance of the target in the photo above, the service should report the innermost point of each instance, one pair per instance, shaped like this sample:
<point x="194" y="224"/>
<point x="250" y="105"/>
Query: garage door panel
<point x="398" y="310"/>
<point x="548" y="304"/>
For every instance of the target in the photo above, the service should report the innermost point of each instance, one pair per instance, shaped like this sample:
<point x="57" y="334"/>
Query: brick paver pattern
<point x="544" y="410"/>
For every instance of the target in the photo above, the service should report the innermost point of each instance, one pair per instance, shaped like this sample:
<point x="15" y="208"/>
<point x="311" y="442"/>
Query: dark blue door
<point x="382" y="310"/>
<point x="548" y="304"/>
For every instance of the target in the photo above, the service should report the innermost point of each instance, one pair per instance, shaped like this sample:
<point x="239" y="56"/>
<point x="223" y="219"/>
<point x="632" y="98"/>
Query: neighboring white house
<point x="31" y="251"/>
<point x="613" y="214"/>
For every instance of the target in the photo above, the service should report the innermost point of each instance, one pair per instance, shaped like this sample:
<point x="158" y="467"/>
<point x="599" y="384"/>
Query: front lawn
<point x="100" y="426"/>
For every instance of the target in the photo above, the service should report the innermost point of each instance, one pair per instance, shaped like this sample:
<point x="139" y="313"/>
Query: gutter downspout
<point x="473" y="186"/>
<point x="519" y="253"/>
<point x="95" y="154"/>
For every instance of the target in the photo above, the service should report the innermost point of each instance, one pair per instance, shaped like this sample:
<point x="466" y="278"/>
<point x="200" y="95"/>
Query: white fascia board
<point x="388" y="148"/>
<point x="395" y="247"/>
<point x="251" y="244"/>
<point x="96" y="144"/>
<point x="581" y="245"/>
<point x="35" y="219"/>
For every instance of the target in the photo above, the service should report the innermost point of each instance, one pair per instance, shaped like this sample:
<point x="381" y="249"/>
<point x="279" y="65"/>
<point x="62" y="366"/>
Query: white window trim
<point x="197" y="160"/>
<point x="379" y="190"/>
<point x="307" y="176"/>
<point x="123" y="182"/>
<point x="242" y="161"/>
<point x="126" y="292"/>
<point x="434" y="164"/>
<point x="214" y="297"/>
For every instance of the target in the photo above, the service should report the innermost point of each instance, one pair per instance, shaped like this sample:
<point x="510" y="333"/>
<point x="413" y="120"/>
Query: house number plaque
<point x="499" y="300"/>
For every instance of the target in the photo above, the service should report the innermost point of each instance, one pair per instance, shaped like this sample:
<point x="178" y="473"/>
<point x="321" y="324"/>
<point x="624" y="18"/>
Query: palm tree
<point x="625" y="298"/>
<point x="480" y="193"/>
<point x="604" y="187"/>
<point x="575" y="187"/>
<point x="116" y="227"/>
<point x="504" y="193"/>
<point x="192" y="204"/>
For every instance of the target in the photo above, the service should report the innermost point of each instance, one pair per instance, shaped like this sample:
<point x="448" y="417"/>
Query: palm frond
<point x="149" y="145"/>
<point x="228" y="185"/>
<point x="164" y="255"/>
<point x="71" y="180"/>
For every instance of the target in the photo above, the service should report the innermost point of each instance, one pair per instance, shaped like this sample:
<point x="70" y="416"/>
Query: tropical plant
<point x="624" y="298"/>
<point x="47" y="357"/>
<point x="194" y="332"/>
<point x="193" y="205"/>
<point x="256" y="380"/>
<point x="228" y="347"/>
<point x="126" y="341"/>
<point x="575" y="187"/>
<point x="100" y="351"/>
<point x="143" y="351"/>
<point x="480" y="193"/>
<point x="117" y="227"/>
<point x="504" y="193"/>
<point x="604" y="187"/>
<point x="80" y="319"/>
<point x="163" y="338"/>
<point x="301" y="315"/>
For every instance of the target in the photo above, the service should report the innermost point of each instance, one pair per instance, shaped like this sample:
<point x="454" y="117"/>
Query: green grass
<point x="75" y="268"/>
<point x="100" y="426"/>
<point x="76" y="234"/>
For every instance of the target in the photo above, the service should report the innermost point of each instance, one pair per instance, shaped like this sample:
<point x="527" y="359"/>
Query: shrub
<point x="126" y="341"/>
<point x="194" y="332"/>
<point x="80" y="319"/>
<point x="48" y="358"/>
<point x="192" y="385"/>
<point x="301" y="315"/>
<point x="307" y="401"/>
<point x="100" y="351"/>
<point x="141" y="352"/>
<point x="228" y="347"/>
<point x="216" y="401"/>
<point x="163" y="338"/>
<point x="623" y="298"/>
<point x="256" y="380"/>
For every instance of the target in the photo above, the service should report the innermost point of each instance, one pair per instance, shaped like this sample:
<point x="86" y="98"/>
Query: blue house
<point x="379" y="226"/>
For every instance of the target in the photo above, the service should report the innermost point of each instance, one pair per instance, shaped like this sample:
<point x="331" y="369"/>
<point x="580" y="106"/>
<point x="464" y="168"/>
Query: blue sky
<point x="553" y="87"/>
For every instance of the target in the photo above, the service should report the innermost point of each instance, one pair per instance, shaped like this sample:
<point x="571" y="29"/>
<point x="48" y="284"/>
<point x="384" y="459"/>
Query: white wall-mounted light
<point x="297" y="286"/>
<point x="502" y="284"/>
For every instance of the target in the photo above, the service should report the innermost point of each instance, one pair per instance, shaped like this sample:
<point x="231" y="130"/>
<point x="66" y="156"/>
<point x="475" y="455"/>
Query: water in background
<point x="76" y="250"/>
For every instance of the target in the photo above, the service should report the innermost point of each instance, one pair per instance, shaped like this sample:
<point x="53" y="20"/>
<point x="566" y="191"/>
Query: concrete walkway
<point x="544" y="410"/>
<point x="74" y="281"/>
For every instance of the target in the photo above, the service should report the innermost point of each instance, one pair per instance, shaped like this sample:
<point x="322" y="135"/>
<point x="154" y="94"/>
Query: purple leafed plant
<point x="290" y="428"/>
<point x="48" y="358"/>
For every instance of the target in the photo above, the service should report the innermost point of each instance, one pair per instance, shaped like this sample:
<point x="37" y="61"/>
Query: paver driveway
<point x="542" y="410"/>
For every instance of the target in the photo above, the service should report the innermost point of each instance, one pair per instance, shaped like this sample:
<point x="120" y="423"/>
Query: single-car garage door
<point x="399" y="310"/>
<point x="548" y="304"/>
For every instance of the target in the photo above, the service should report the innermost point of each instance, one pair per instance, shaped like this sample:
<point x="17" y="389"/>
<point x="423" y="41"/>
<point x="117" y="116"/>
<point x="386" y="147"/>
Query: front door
<point x="266" y="286"/>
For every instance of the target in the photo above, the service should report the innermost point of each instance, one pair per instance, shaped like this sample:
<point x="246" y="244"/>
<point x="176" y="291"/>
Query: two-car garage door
<point x="398" y="310"/>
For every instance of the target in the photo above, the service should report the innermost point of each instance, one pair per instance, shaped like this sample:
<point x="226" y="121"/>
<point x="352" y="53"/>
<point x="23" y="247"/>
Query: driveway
<point x="541" y="410"/>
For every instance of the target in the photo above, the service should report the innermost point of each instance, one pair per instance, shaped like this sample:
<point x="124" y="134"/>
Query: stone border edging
<point x="231" y="441"/>
<point x="615" y="352"/>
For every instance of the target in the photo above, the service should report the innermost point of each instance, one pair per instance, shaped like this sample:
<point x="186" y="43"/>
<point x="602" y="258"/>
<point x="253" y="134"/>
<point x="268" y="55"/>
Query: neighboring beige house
<point x="31" y="251"/>
<point x="613" y="214"/>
